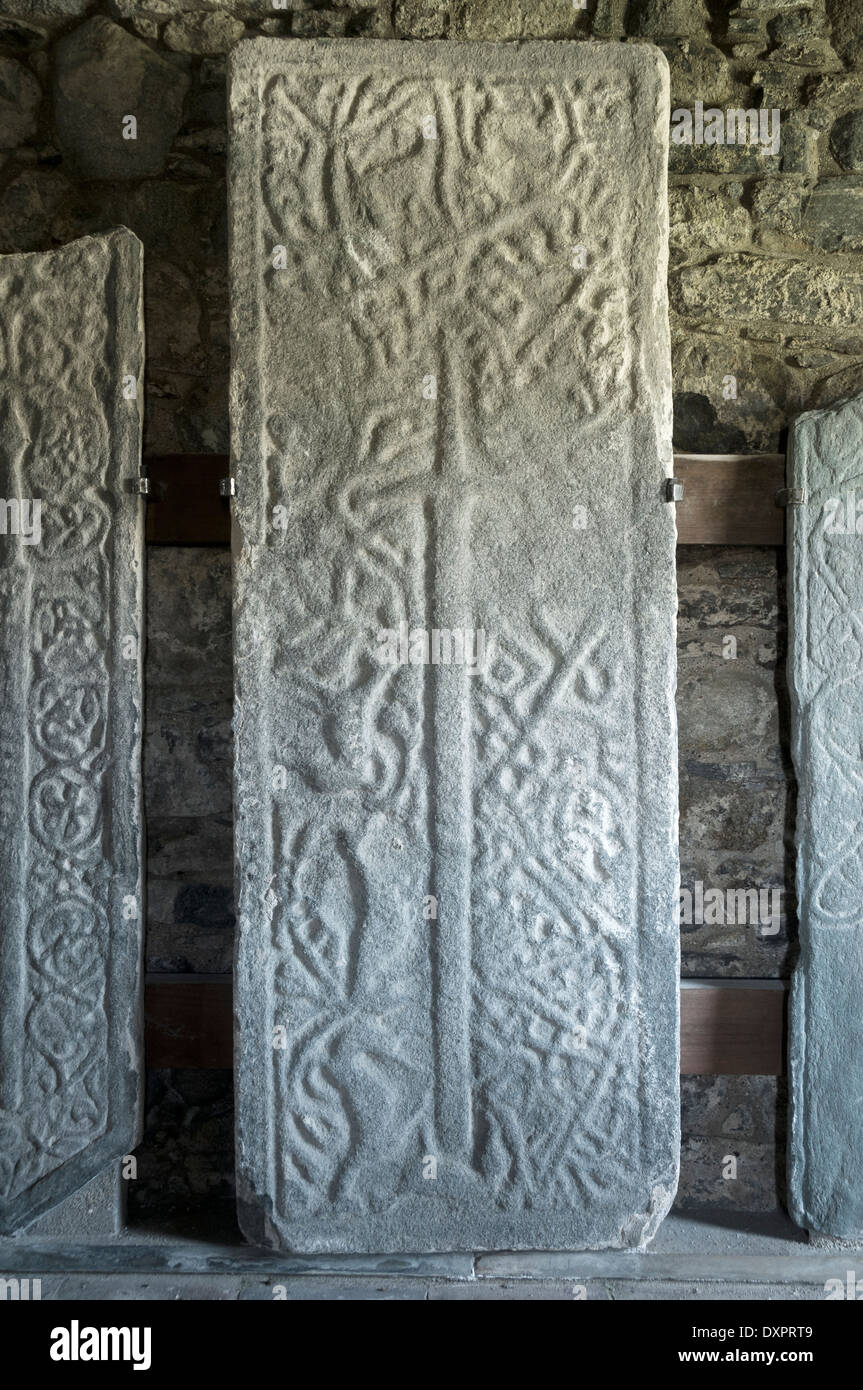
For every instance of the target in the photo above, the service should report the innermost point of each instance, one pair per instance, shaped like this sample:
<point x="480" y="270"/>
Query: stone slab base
<point x="732" y="1257"/>
<point x="96" y="1209"/>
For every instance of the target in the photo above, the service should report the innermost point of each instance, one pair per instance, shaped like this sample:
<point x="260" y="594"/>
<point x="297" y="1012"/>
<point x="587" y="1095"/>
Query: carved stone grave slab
<point x="457" y="973"/>
<point x="825" y="583"/>
<point x="71" y="598"/>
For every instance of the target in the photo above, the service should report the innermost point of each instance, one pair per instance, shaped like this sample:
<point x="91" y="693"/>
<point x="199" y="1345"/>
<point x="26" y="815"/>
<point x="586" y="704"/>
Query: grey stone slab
<point x="71" y="595"/>
<point x="700" y="1261"/>
<point x="825" y="579"/>
<point x="96" y="1209"/>
<point x="716" y="1254"/>
<point x="451" y="410"/>
<point x="156" y="1255"/>
<point x="131" y="1288"/>
<point x="661" y="1291"/>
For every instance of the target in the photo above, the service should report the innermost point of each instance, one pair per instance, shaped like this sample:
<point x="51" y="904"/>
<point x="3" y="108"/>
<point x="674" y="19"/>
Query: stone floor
<point x="725" y="1256"/>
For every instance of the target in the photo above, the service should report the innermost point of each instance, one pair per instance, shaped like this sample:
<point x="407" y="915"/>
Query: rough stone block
<point x="769" y="290"/>
<point x="203" y="32"/>
<point x="71" y="595"/>
<point x="825" y="577"/>
<point x="117" y="103"/>
<point x="457" y="976"/>
<point x="20" y="96"/>
<point x="96" y="1209"/>
<point x="833" y="216"/>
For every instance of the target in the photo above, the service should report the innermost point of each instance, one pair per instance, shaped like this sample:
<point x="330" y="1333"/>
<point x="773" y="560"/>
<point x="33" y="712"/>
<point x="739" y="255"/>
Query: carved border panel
<point x="71" y="594"/>
<point x="457" y="967"/>
<point x="825" y="664"/>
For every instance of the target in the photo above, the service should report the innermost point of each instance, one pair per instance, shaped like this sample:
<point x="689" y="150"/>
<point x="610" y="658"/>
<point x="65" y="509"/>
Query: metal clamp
<point x="791" y="497"/>
<point x="673" y="490"/>
<point x="227" y="487"/>
<point x="138" y="487"/>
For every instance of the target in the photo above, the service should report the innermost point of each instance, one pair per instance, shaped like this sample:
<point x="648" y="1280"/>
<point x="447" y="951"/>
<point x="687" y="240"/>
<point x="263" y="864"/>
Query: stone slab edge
<point x="832" y="1214"/>
<point x="126" y="1033"/>
<point x="247" y="59"/>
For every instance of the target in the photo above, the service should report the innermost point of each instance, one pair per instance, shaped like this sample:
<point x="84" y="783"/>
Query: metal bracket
<point x="138" y="487"/>
<point x="227" y="487"/>
<point x="791" y="497"/>
<point x="673" y="490"/>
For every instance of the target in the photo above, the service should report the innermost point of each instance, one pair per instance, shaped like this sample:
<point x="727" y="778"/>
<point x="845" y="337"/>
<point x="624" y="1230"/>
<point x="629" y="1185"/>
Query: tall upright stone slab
<point x="825" y="582"/>
<point x="71" y="598"/>
<point x="457" y="976"/>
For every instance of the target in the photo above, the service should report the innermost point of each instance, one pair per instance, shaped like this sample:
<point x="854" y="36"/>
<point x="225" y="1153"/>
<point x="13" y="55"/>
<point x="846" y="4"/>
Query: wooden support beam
<point x="188" y="1022"/>
<point x="727" y="1027"/>
<point x="729" y="499"/>
<point x="184" y="506"/>
<point x="732" y="1028"/>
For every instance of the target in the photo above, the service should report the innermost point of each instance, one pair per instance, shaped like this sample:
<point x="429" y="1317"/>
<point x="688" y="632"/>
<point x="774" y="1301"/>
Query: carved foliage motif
<point x="62" y="746"/>
<point x="427" y="230"/>
<point x="829" y="667"/>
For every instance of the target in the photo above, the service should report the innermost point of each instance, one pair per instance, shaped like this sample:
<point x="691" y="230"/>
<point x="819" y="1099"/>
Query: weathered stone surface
<point x="22" y="38"/>
<point x="846" y="140"/>
<point x="777" y="206"/>
<point x="169" y="9"/>
<point x="734" y="801"/>
<point x="70" y="691"/>
<point x="706" y="217"/>
<point x="846" y="23"/>
<point x="185" y="1157"/>
<point x="421" y="19"/>
<point x="102" y="76"/>
<point x="96" y="1209"/>
<point x="20" y="96"/>
<point x="665" y="18"/>
<point x="53" y="9"/>
<point x="825" y="578"/>
<point x="203" y="32"/>
<point x="778" y="85"/>
<point x="27" y="207"/>
<point x="741" y="288"/>
<point x="697" y="428"/>
<point x="423" y="399"/>
<point x="799" y="148"/>
<point x="188" y="741"/>
<point x="724" y="159"/>
<point x="732" y="1117"/>
<point x="699" y="72"/>
<point x="833" y="216"/>
<point x="729" y="397"/>
<point x="838" y="385"/>
<point x="515" y="19"/>
<point x="190" y="912"/>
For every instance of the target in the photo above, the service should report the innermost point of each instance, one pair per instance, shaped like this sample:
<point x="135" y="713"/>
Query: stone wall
<point x="766" y="281"/>
<point x="766" y="288"/>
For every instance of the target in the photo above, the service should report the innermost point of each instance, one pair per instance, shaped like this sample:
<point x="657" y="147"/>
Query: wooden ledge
<point x="728" y="1027"/>
<point x="729" y="499"/>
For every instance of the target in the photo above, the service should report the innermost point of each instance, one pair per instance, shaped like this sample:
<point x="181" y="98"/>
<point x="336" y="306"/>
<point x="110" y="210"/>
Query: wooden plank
<point x="184" y="506"/>
<point x="726" y="1029"/>
<point x="730" y="499"/>
<point x="188" y="1023"/>
<point x="732" y="1031"/>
